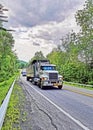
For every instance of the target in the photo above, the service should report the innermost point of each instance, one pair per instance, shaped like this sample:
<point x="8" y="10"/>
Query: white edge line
<point x="64" y="112"/>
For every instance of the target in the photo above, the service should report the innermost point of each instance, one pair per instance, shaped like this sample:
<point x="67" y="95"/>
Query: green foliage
<point x="4" y="87"/>
<point x="91" y="83"/>
<point x="75" y="72"/>
<point x="8" y="59"/>
<point x="22" y="64"/>
<point x="38" y="56"/>
<point x="58" y="58"/>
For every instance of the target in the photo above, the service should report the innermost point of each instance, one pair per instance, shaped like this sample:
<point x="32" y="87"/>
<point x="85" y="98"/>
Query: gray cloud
<point x="44" y="34"/>
<point x="36" y="44"/>
<point x="35" y="12"/>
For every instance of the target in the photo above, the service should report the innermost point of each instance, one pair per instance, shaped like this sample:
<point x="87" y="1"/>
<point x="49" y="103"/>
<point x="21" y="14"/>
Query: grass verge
<point x="4" y="87"/>
<point x="90" y="87"/>
<point x="14" y="114"/>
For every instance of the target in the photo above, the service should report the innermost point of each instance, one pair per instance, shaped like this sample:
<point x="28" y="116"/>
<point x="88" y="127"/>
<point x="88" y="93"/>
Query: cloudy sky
<point x="40" y="24"/>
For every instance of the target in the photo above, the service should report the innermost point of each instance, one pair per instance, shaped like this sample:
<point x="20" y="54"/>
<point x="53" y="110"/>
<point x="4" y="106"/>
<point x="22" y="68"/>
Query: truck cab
<point x="45" y="74"/>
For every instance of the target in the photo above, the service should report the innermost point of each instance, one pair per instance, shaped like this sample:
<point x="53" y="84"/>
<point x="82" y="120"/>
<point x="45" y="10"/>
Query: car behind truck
<point x="23" y="72"/>
<point x="42" y="73"/>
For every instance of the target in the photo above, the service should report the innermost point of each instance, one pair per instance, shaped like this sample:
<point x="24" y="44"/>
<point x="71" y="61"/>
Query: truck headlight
<point x="60" y="78"/>
<point x="44" y="78"/>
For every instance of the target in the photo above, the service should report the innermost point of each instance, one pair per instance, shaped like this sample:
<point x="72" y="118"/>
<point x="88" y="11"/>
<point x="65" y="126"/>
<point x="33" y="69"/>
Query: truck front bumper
<point x="48" y="83"/>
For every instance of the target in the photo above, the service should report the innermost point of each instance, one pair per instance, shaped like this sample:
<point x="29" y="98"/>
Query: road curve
<point x="54" y="109"/>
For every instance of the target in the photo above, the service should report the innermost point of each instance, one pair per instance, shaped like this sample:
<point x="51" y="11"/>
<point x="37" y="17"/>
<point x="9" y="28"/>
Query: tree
<point x="38" y="56"/>
<point x="69" y="45"/>
<point x="84" y="18"/>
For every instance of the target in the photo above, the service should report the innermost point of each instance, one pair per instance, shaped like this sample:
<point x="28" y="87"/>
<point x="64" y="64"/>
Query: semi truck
<point x="43" y="74"/>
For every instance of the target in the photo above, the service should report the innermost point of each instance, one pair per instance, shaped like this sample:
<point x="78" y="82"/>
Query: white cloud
<point x="40" y="24"/>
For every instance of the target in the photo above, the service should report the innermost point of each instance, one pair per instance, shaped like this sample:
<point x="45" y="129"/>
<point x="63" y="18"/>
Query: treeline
<point x="74" y="57"/>
<point x="8" y="59"/>
<point x="22" y="64"/>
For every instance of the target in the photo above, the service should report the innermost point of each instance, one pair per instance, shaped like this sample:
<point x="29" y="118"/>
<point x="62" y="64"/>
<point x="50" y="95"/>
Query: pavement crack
<point x="53" y="124"/>
<point x="48" y="116"/>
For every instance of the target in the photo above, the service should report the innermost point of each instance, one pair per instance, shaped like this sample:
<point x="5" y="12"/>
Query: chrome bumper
<point x="47" y="83"/>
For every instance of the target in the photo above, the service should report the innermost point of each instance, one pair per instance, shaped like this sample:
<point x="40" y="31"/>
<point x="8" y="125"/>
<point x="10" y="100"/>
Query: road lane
<point x="78" y="106"/>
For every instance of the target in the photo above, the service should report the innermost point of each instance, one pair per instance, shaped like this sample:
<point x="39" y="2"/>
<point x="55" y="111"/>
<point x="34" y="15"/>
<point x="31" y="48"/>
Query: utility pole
<point x="2" y="16"/>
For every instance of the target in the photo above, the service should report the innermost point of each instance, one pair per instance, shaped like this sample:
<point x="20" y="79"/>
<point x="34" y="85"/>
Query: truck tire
<point x="41" y="86"/>
<point x="27" y="78"/>
<point x="60" y="86"/>
<point x="33" y="82"/>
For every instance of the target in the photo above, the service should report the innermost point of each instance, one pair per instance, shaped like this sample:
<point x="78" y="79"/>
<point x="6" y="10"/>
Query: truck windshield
<point x="48" y="68"/>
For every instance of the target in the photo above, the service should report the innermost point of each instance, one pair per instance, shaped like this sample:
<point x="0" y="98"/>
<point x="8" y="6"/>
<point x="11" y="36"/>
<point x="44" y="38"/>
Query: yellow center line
<point x="79" y="92"/>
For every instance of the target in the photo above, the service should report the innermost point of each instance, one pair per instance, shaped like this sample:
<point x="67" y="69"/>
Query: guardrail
<point x="4" y="105"/>
<point x="85" y="85"/>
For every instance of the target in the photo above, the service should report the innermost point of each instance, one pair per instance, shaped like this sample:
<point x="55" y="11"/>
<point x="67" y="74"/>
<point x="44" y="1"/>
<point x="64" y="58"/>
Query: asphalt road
<point x="54" y="109"/>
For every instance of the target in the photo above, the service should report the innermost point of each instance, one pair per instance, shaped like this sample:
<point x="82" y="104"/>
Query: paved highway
<point x="54" y="109"/>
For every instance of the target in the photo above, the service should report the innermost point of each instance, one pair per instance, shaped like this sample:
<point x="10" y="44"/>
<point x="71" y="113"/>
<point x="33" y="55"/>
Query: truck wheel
<point x="60" y="86"/>
<point x="35" y="83"/>
<point x="27" y="78"/>
<point x="41" y="86"/>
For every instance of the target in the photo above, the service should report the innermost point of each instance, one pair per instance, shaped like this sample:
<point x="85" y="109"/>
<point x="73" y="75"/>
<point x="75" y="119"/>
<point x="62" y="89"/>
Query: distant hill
<point x="22" y="64"/>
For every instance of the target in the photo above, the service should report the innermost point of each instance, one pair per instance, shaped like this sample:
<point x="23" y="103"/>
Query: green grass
<point x="4" y="87"/>
<point x="90" y="87"/>
<point x="14" y="113"/>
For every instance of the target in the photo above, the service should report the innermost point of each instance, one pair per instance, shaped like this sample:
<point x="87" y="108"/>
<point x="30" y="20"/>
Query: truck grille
<point x="53" y="76"/>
